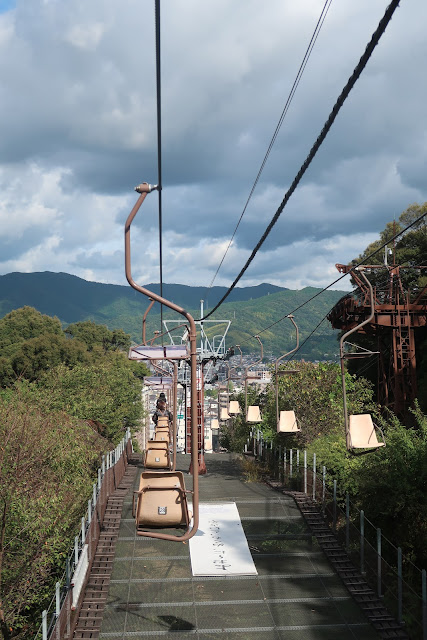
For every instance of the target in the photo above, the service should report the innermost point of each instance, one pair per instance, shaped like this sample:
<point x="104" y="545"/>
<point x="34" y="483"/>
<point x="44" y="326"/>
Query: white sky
<point x="78" y="132"/>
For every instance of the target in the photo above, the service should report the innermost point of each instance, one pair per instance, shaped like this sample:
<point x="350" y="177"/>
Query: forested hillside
<point x="251" y="309"/>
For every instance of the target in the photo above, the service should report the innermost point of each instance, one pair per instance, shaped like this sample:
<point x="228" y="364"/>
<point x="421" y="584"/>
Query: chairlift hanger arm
<point x="143" y="189"/>
<point x="276" y="367"/>
<point x="144" y="320"/>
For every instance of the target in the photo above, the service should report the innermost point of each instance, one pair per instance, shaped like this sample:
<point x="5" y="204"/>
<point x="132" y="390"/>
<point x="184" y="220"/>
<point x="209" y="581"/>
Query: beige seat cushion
<point x="161" y="500"/>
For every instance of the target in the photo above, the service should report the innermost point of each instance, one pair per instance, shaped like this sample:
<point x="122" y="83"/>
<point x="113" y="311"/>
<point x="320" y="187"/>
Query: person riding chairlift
<point x="161" y="410"/>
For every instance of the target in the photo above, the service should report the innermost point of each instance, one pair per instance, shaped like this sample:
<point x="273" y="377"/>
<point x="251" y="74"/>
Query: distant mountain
<point x="251" y="309"/>
<point x="73" y="299"/>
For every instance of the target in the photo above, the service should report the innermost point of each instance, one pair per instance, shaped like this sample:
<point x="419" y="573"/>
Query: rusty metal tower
<point x="397" y="313"/>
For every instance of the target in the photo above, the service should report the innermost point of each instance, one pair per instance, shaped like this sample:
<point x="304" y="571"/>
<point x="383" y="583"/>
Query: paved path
<point x="297" y="594"/>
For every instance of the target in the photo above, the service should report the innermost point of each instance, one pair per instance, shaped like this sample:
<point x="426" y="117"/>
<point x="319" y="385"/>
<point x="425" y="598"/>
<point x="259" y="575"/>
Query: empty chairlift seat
<point x="157" y="455"/>
<point x="161" y="501"/>
<point x="254" y="414"/>
<point x="288" y="422"/>
<point x="162" y="421"/>
<point x="363" y="432"/>
<point x="162" y="436"/>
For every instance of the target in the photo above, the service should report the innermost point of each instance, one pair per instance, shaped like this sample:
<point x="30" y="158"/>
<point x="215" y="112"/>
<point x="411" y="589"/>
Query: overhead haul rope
<point x="159" y="149"/>
<point x="276" y="132"/>
<point x="327" y="126"/>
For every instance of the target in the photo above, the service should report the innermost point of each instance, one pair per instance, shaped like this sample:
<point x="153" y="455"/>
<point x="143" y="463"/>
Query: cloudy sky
<point x="78" y="132"/>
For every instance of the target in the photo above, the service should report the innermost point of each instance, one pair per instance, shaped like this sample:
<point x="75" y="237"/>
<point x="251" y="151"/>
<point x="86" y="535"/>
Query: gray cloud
<point x="78" y="132"/>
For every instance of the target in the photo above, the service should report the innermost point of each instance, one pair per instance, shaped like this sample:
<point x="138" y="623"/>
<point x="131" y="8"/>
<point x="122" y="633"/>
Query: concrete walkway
<point x="297" y="594"/>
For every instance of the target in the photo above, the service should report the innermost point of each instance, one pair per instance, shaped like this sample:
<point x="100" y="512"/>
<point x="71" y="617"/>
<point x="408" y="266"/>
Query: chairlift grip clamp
<point x="144" y="187"/>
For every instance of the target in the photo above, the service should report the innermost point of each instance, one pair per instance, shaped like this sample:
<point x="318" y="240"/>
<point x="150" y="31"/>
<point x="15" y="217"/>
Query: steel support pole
<point x="379" y="562"/>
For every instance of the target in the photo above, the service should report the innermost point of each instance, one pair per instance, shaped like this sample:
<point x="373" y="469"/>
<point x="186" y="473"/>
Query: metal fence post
<point x="424" y="605"/>
<point x="89" y="511"/>
<point x="99" y="479"/>
<point x="284" y="461"/>
<point x="297" y="460"/>
<point x="334" y="507"/>
<point x="314" y="476"/>
<point x="347" y="521"/>
<point x="44" y="625"/>
<point x="379" y="563"/>
<point x="399" y="585"/>
<point x="362" y="541"/>
<point x="305" y="470"/>
<point x="280" y="461"/>
<point x="67" y="573"/>
<point x="57" y="599"/>
<point x="323" y="489"/>
<point x="83" y="530"/>
<point x="76" y="550"/>
<point x="94" y="495"/>
<point x="290" y="462"/>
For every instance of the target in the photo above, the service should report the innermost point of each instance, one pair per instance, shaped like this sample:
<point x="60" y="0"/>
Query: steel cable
<point x="326" y="128"/>
<point x="276" y="132"/>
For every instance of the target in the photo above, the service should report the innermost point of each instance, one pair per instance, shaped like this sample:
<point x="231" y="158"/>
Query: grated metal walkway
<point x="297" y="594"/>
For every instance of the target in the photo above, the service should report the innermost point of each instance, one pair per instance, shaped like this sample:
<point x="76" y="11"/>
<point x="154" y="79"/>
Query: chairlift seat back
<point x="288" y="422"/>
<point x="362" y="432"/>
<point x="162" y="500"/>
<point x="234" y="407"/>
<point x="156" y="444"/>
<point x="163" y="437"/>
<point x="157" y="455"/>
<point x="254" y="414"/>
<point x="162" y="421"/>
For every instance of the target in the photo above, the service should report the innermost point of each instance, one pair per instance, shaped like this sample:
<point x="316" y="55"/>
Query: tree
<point x="47" y="463"/>
<point x="98" y="335"/>
<point x="23" y="324"/>
<point x="106" y="391"/>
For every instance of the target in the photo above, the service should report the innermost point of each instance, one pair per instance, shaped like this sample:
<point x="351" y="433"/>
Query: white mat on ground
<point x="220" y="548"/>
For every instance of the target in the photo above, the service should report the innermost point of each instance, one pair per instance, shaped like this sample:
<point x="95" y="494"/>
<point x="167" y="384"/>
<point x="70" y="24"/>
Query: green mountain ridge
<point x="251" y="309"/>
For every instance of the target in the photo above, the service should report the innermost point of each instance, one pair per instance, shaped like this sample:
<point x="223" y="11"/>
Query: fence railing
<point x="394" y="578"/>
<point x="59" y="617"/>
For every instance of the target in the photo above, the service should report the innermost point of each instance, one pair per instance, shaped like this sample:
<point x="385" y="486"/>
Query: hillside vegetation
<point x="65" y="399"/>
<point x="250" y="309"/>
<point x="389" y="484"/>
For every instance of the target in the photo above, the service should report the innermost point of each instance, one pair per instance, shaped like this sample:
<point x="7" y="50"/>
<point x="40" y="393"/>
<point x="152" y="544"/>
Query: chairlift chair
<point x="224" y="415"/>
<point x="254" y="414"/>
<point x="161" y="501"/>
<point x="162" y="436"/>
<point x="287" y="422"/>
<point x="234" y="407"/>
<point x="157" y="455"/>
<point x="362" y="434"/>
